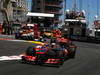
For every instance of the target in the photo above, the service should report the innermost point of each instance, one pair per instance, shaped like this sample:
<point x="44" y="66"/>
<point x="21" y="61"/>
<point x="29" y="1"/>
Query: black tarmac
<point x="86" y="62"/>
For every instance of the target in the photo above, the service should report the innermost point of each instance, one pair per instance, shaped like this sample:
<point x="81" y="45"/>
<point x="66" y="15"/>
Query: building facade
<point x="49" y="6"/>
<point x="19" y="10"/>
<point x="16" y="10"/>
<point x="1" y="15"/>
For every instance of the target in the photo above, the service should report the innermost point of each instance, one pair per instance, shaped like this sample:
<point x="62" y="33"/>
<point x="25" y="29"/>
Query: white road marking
<point x="17" y="40"/>
<point x="13" y="57"/>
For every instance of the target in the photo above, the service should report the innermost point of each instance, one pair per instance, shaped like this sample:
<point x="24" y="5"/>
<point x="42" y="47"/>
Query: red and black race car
<point x="48" y="54"/>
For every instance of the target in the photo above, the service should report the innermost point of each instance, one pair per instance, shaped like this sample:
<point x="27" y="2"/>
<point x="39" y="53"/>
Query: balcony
<point x="13" y="1"/>
<point x="56" y="4"/>
<point x="54" y="1"/>
<point x="61" y="0"/>
<point x="56" y="21"/>
<point x="53" y="12"/>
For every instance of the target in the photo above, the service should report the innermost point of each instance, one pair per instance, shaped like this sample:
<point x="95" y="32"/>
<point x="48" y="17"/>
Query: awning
<point x="13" y="1"/>
<point x="40" y="14"/>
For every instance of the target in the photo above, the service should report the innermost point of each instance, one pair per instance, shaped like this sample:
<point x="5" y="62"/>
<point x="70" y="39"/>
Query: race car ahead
<point x="48" y="34"/>
<point x="48" y="54"/>
<point x="25" y="33"/>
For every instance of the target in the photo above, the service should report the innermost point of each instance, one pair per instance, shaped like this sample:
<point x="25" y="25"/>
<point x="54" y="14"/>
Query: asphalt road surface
<point x="86" y="62"/>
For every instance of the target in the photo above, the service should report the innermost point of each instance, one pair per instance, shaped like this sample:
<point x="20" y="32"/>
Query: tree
<point x="4" y="9"/>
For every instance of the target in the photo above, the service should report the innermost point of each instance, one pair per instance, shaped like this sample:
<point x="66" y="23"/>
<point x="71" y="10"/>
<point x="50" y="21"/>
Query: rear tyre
<point x="72" y="53"/>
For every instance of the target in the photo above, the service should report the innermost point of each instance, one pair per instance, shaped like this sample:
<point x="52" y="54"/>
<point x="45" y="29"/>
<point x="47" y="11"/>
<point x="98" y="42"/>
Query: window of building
<point x="38" y="8"/>
<point x="38" y="1"/>
<point x="14" y="4"/>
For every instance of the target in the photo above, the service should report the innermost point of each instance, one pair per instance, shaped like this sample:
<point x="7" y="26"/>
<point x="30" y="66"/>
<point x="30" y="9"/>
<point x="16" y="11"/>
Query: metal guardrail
<point x="7" y="36"/>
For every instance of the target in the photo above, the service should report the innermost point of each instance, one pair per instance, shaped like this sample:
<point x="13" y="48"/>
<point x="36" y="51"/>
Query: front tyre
<point x="23" y="60"/>
<point x="30" y="51"/>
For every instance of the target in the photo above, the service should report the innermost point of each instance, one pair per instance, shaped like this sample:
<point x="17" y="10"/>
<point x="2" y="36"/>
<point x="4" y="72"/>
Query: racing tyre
<point x="31" y="51"/>
<point x="39" y="60"/>
<point x="61" y="62"/>
<point x="72" y="53"/>
<point x="60" y="55"/>
<point x="23" y="60"/>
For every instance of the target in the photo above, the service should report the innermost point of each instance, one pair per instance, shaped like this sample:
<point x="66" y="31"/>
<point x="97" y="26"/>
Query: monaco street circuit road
<point x="87" y="61"/>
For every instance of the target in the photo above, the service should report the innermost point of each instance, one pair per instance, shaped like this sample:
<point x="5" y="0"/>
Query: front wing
<point x="33" y="59"/>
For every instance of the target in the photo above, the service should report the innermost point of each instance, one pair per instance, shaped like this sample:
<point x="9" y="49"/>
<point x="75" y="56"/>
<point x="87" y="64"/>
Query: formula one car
<point x="48" y="54"/>
<point x="48" y="34"/>
<point x="25" y="33"/>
